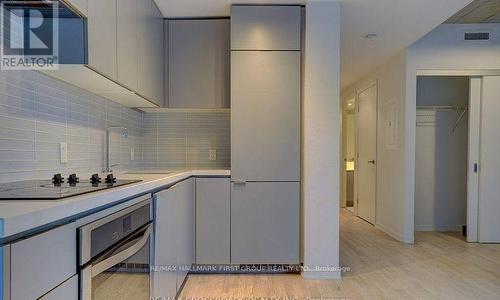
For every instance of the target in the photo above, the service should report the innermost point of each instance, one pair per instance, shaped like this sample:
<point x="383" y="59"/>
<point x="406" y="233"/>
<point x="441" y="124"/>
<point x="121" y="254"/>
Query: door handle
<point x="121" y="256"/>
<point x="371" y="161"/>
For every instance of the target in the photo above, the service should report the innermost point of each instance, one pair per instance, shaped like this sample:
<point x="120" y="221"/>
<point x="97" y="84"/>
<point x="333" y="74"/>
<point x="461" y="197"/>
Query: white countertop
<point x="20" y="216"/>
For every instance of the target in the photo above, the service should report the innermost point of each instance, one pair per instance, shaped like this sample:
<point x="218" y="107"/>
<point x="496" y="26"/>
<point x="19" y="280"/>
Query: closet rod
<point x="442" y="107"/>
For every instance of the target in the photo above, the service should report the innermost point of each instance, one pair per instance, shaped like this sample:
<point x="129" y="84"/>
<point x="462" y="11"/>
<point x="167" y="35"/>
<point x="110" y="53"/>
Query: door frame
<point x="356" y="147"/>
<point x="475" y="79"/>
<point x="343" y="172"/>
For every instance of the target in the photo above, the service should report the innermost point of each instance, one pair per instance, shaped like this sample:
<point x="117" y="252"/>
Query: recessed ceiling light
<point x="371" y="36"/>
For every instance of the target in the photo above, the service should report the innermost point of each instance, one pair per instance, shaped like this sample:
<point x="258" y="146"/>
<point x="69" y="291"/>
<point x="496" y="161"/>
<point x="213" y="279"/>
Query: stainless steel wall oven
<point x="115" y="255"/>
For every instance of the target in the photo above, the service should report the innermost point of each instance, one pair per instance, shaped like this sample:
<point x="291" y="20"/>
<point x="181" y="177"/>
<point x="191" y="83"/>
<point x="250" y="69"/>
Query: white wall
<point x="321" y="140"/>
<point x="351" y="136"/>
<point x="442" y="50"/>
<point x="391" y="205"/>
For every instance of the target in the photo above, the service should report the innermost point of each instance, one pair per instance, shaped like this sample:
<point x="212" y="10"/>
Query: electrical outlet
<point x="64" y="152"/>
<point x="132" y="154"/>
<point x="212" y="154"/>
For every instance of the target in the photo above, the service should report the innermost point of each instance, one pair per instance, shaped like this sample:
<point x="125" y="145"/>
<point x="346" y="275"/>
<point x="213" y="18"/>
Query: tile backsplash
<point x="177" y="140"/>
<point x="38" y="112"/>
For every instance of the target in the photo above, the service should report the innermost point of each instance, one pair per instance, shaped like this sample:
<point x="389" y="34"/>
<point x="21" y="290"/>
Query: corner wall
<point x="321" y="140"/>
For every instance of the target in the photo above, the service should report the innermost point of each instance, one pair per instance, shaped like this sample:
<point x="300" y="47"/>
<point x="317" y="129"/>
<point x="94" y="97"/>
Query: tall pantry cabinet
<point x="265" y="133"/>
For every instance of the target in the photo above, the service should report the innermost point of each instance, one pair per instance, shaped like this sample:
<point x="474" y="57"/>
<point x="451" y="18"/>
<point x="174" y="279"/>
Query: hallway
<point x="438" y="266"/>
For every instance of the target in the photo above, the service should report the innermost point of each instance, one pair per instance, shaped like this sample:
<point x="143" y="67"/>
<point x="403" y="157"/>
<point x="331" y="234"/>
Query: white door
<point x="367" y="153"/>
<point x="489" y="187"/>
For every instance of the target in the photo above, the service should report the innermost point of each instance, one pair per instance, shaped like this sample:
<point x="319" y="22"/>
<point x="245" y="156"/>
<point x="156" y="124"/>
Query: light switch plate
<point x="64" y="152"/>
<point x="212" y="154"/>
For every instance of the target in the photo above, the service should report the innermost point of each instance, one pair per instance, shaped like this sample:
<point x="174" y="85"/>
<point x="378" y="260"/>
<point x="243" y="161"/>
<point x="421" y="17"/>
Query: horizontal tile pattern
<point x="38" y="112"/>
<point x="183" y="140"/>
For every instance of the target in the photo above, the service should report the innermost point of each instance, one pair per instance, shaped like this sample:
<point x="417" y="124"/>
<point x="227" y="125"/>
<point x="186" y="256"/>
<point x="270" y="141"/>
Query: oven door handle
<point x="102" y="266"/>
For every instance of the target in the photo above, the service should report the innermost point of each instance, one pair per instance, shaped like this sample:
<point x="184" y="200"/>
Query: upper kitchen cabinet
<point x="101" y="24"/>
<point x="198" y="63"/>
<point x="150" y="49"/>
<point x="115" y="50"/>
<point x="158" y="46"/>
<point x="127" y="54"/>
<point x="265" y="27"/>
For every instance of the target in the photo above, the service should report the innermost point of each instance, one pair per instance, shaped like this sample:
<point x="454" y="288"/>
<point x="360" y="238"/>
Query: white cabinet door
<point x="265" y="115"/>
<point x="213" y="221"/>
<point x="147" y="40"/>
<point x="265" y="223"/>
<point x="165" y="253"/>
<point x="66" y="291"/>
<point x="127" y="54"/>
<point x="489" y="171"/>
<point x="157" y="56"/>
<point x="174" y="237"/>
<point x="41" y="263"/>
<point x="198" y="63"/>
<point x="266" y="27"/>
<point x="185" y="228"/>
<point x="101" y="23"/>
<point x="143" y="77"/>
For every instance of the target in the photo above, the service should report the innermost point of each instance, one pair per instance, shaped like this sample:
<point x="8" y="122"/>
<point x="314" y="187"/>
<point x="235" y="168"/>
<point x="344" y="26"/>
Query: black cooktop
<point x="57" y="188"/>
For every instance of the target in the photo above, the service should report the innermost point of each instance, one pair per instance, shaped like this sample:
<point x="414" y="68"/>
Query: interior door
<point x="489" y="189"/>
<point x="367" y="153"/>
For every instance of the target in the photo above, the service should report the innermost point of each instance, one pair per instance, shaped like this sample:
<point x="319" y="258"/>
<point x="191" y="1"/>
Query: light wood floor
<point x="437" y="266"/>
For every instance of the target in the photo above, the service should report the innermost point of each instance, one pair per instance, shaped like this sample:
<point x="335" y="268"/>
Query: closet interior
<point x="441" y="153"/>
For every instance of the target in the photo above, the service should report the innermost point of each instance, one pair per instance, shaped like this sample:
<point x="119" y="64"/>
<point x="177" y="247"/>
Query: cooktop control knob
<point x="72" y="179"/>
<point x="110" y="179"/>
<point x="57" y="179"/>
<point x="95" y="179"/>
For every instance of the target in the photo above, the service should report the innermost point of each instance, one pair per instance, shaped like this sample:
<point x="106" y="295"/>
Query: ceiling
<point x="397" y="23"/>
<point x="479" y="11"/>
<point x="208" y="8"/>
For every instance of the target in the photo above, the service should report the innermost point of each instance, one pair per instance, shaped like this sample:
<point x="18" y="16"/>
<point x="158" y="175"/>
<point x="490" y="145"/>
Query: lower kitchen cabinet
<point x="184" y="195"/>
<point x="174" y="238"/>
<point x="41" y="263"/>
<point x="213" y="221"/>
<point x="66" y="291"/>
<point x="165" y="256"/>
<point x="265" y="223"/>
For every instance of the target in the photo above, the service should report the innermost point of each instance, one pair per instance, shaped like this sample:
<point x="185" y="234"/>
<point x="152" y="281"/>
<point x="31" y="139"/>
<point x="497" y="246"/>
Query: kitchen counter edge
<point x="21" y="219"/>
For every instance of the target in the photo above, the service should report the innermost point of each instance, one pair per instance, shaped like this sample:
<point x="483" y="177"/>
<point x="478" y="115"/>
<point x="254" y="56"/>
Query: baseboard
<point x="394" y="234"/>
<point x="334" y="275"/>
<point x="450" y="228"/>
